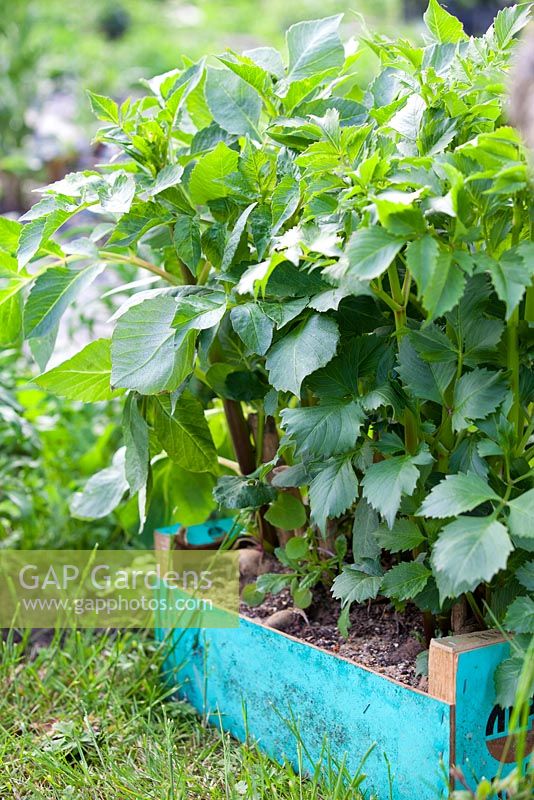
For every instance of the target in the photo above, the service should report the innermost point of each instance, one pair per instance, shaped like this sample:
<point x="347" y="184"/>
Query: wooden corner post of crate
<point x="461" y="672"/>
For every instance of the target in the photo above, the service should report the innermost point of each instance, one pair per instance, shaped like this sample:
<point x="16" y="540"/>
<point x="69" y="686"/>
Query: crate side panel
<point x="481" y="725"/>
<point x="278" y="683"/>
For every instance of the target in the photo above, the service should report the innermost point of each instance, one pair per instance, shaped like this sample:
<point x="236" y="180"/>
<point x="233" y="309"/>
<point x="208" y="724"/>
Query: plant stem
<point x="259" y="436"/>
<point x="240" y="435"/>
<point x="138" y="262"/>
<point x="513" y="365"/>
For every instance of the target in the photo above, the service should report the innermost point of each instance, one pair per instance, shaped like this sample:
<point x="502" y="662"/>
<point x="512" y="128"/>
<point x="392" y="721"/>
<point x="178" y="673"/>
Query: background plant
<point x="350" y="268"/>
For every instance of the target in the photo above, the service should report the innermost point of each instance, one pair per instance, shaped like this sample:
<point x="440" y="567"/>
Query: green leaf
<point x="313" y="47"/>
<point x="37" y="232"/>
<point x="385" y="482"/>
<point x="364" y="532"/>
<point x="521" y="516"/>
<point x="297" y="548"/>
<point x="103" y="491"/>
<point x="421" y="258"/>
<point x="197" y="311"/>
<point x="302" y="597"/>
<point x="525" y="575"/>
<point x="520" y="616"/>
<point x="104" y="108"/>
<point x="332" y="491"/>
<point x="233" y="491"/>
<point x="370" y="251"/>
<point x="308" y="347"/>
<point x="325" y="429"/>
<point x="510" y="275"/>
<point x="425" y="381"/>
<point x="144" y="354"/>
<point x="442" y="25"/>
<point x="135" y="435"/>
<point x="235" y="238"/>
<point x="209" y="173"/>
<point x="252" y="596"/>
<point x="166" y="177"/>
<point x="188" y="495"/>
<point x="506" y="677"/>
<point x="253" y="327"/>
<point x="86" y="376"/>
<point x="510" y="21"/>
<point x="469" y="550"/>
<point x="187" y="241"/>
<point x="10" y="231"/>
<point x="287" y="512"/>
<point x="284" y="202"/>
<point x="405" y="580"/>
<point x="355" y="586"/>
<point x="184" y="434"/>
<point x="476" y="395"/>
<point x="235" y="105"/>
<point x="456" y="494"/>
<point x="403" y="536"/>
<point x="444" y="286"/>
<point x="51" y="294"/>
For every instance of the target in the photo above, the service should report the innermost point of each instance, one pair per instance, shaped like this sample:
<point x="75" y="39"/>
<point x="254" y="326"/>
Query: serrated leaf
<point x="510" y="275"/>
<point x="506" y="678"/>
<point x="86" y="376"/>
<point x="186" y="238"/>
<point x="51" y="294"/>
<point x="364" y="533"/>
<point x="355" y="586"/>
<point x="442" y="25"/>
<point x="456" y="494"/>
<point x="284" y="202"/>
<point x="235" y="105"/>
<point x="370" y="251"/>
<point x="327" y="429"/>
<point x="469" y="550"/>
<point x="207" y="177"/>
<point x="144" y="354"/>
<point x="235" y="237"/>
<point x="444" y="286"/>
<point x="135" y="435"/>
<point x="521" y="516"/>
<point x="104" y="108"/>
<point x="314" y="46"/>
<point x="386" y="481"/>
<point x="520" y="616"/>
<point x="287" y="512"/>
<point x="405" y="580"/>
<point x="184" y="434"/>
<point x="476" y="395"/>
<point x="233" y="491"/>
<point x="332" y="491"/>
<point x="37" y="232"/>
<point x="427" y="381"/>
<point x="308" y="347"/>
<point x="525" y="575"/>
<point x="253" y="327"/>
<point x="403" y="536"/>
<point x="510" y="21"/>
<point x="103" y="491"/>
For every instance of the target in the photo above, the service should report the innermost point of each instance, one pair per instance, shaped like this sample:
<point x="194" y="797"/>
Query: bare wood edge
<point x="335" y="655"/>
<point x="164" y="541"/>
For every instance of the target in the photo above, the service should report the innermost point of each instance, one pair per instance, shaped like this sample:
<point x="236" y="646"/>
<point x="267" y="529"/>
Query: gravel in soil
<point x="381" y="638"/>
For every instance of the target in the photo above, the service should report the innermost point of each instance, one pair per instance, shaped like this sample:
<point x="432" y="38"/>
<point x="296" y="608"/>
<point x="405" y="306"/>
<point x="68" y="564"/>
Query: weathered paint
<point x="481" y="725"/>
<point x="256" y="679"/>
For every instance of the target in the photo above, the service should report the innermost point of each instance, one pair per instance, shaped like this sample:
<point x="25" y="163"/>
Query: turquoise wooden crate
<point x="259" y="682"/>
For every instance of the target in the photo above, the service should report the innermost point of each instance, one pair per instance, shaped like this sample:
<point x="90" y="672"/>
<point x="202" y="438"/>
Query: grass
<point x="87" y="717"/>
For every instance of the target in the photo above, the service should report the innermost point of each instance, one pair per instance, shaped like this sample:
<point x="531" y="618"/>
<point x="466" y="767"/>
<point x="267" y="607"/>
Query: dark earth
<point x="380" y="637"/>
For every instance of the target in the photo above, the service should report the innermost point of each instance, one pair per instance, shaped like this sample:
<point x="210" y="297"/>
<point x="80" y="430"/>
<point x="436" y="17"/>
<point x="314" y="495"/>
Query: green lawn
<point x="89" y="718"/>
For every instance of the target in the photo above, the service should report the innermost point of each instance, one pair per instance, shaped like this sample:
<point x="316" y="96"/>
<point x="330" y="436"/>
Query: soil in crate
<point x="380" y="637"/>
